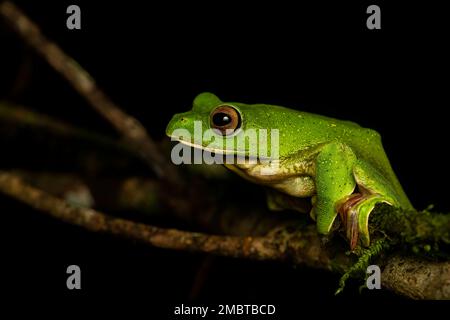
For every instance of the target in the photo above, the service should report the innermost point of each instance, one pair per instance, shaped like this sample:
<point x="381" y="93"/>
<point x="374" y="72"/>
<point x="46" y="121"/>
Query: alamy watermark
<point x="73" y="21"/>
<point x="242" y="147"/>
<point x="74" y="279"/>
<point x="373" y="281"/>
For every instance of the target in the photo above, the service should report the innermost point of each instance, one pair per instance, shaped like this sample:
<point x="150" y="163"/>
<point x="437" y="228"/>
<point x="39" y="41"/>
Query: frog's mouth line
<point x="217" y="151"/>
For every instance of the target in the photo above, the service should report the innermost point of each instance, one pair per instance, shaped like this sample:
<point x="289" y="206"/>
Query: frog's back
<point x="303" y="130"/>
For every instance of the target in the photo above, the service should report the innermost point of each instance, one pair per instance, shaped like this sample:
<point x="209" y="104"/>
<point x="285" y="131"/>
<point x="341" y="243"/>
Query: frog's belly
<point x="294" y="185"/>
<point x="300" y="186"/>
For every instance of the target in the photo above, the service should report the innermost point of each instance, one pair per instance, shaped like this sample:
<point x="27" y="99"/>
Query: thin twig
<point x="20" y="116"/>
<point x="130" y="128"/>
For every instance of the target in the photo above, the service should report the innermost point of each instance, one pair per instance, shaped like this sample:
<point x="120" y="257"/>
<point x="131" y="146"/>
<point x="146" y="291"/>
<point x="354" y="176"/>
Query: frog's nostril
<point x="183" y="119"/>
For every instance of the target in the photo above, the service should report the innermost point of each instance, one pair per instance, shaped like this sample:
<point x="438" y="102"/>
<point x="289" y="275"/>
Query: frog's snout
<point x="178" y="121"/>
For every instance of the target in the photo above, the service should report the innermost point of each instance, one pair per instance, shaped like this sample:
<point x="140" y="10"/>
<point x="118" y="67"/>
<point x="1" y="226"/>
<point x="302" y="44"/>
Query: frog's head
<point x="207" y="125"/>
<point x="226" y="127"/>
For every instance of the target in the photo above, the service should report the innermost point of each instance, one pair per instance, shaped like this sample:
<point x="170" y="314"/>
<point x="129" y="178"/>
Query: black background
<point x="153" y="59"/>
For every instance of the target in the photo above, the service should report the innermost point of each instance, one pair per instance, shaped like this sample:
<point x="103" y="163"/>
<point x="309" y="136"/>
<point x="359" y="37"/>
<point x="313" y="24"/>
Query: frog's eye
<point x="225" y="119"/>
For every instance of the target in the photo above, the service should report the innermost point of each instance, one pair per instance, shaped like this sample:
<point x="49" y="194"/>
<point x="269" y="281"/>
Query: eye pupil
<point x="221" y="119"/>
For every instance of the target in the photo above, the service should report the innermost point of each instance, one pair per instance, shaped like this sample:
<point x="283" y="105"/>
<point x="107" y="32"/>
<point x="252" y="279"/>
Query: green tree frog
<point x="339" y="165"/>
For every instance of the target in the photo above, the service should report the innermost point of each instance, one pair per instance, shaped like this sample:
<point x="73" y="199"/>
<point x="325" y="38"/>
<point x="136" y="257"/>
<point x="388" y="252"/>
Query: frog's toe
<point x="349" y="216"/>
<point x="365" y="208"/>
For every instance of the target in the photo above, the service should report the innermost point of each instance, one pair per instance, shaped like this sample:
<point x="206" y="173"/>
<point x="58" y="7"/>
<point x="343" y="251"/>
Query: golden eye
<point x="225" y="119"/>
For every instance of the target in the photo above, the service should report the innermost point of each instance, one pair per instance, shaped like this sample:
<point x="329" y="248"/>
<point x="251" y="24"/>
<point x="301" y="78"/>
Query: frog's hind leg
<point x="355" y="210"/>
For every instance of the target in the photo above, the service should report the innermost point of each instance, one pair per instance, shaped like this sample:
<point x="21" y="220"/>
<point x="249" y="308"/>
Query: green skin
<point x="341" y="166"/>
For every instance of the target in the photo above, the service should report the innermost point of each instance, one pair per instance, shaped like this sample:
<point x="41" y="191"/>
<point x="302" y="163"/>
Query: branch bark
<point x="406" y="276"/>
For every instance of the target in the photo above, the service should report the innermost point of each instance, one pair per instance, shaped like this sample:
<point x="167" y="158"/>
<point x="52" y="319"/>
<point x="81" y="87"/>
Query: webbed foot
<point x="354" y="212"/>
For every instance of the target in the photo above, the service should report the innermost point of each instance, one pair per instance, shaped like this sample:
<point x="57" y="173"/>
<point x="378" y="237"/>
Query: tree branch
<point x="251" y="247"/>
<point x="130" y="128"/>
<point x="406" y="276"/>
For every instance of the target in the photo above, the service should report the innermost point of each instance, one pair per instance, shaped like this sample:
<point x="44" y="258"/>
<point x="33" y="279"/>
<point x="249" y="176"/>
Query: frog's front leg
<point x="334" y="182"/>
